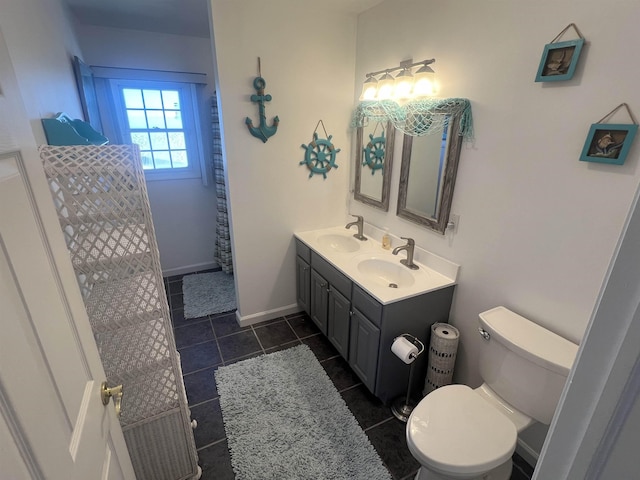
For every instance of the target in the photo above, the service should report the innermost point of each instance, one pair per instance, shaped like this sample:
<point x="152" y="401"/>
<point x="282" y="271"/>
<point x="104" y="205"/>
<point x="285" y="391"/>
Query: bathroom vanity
<point x="362" y="298"/>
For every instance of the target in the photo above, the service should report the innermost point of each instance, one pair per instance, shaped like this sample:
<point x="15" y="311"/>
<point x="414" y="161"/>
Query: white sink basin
<point x="385" y="273"/>
<point x="339" y="243"/>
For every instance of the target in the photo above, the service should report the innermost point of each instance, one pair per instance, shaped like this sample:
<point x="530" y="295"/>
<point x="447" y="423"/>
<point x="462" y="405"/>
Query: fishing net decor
<point x="417" y="117"/>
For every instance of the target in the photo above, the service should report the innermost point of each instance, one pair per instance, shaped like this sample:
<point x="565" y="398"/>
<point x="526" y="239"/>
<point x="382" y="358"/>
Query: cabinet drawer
<point x="336" y="279"/>
<point x="303" y="251"/>
<point x="370" y="307"/>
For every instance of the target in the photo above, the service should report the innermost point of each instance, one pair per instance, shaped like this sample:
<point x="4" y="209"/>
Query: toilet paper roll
<point x="404" y="350"/>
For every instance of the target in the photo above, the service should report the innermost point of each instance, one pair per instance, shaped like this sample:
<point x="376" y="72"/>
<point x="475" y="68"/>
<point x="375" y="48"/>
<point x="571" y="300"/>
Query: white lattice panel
<point x="139" y="301"/>
<point x="150" y="396"/>
<point x="104" y="213"/>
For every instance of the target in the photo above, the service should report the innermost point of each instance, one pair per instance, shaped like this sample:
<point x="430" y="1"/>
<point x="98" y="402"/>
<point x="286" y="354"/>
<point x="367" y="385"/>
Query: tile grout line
<point x="205" y="401"/>
<point x="378" y="424"/>
<point x="258" y="339"/>
<point x="216" y="339"/>
<point x="212" y="443"/>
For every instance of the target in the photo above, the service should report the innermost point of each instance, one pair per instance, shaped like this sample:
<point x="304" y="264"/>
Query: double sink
<point x="375" y="269"/>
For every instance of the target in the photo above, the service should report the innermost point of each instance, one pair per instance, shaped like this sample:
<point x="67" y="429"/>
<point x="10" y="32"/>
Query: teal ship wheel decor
<point x="373" y="152"/>
<point x="320" y="154"/>
<point x="263" y="132"/>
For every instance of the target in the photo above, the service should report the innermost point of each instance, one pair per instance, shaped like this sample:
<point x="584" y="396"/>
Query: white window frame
<point x="190" y="117"/>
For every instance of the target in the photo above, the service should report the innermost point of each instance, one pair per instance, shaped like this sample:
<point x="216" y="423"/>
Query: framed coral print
<point x="608" y="143"/>
<point x="559" y="60"/>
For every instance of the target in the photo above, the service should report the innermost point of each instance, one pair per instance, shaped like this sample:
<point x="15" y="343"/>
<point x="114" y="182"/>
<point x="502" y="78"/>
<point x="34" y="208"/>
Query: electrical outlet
<point x="454" y="221"/>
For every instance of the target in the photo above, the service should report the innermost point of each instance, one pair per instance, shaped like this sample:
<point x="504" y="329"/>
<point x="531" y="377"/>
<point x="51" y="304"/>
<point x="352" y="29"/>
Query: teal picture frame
<point x="608" y="143"/>
<point x="559" y="61"/>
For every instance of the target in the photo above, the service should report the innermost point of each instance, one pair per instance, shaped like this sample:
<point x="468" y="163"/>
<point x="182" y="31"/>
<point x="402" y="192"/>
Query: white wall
<point x="184" y="211"/>
<point x="537" y="227"/>
<point x="40" y="40"/>
<point x="308" y="54"/>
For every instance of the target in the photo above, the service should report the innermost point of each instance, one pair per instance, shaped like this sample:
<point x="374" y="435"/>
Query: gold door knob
<point x="115" y="392"/>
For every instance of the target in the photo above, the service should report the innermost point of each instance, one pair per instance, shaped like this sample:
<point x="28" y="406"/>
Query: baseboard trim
<point x="170" y="272"/>
<point x="254" y="318"/>
<point x="527" y="453"/>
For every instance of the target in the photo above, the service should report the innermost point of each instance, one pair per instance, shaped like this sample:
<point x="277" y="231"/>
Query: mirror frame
<point x="448" y="180"/>
<point x="383" y="203"/>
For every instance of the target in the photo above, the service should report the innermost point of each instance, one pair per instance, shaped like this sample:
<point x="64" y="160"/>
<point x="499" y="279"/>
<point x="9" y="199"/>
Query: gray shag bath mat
<point x="285" y="420"/>
<point x="208" y="293"/>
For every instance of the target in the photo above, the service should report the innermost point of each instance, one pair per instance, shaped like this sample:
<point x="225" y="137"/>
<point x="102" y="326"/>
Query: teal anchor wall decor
<point x="263" y="132"/>
<point x="320" y="154"/>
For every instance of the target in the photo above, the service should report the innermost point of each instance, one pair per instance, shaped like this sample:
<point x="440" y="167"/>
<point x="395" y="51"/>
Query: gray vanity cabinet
<point x="330" y="302"/>
<point x="303" y="283"/>
<point x="363" y="349"/>
<point x="318" y="301"/>
<point x="338" y="321"/>
<point x="362" y="329"/>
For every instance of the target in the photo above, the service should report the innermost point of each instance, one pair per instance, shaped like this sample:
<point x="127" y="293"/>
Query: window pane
<point x="142" y="139"/>
<point x="179" y="158"/>
<point x="162" y="159"/>
<point x="176" y="141"/>
<point x="136" y="119"/>
<point x="174" y="119"/>
<point x="152" y="99"/>
<point x="155" y="118"/>
<point x="147" y="160"/>
<point x="171" y="99"/>
<point x="159" y="141"/>
<point x="132" y="98"/>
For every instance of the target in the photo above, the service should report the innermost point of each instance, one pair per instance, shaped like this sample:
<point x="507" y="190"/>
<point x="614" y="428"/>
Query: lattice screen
<point x="103" y="208"/>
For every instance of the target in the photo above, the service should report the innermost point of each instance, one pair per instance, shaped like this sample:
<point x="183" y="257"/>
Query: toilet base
<point x="502" y="472"/>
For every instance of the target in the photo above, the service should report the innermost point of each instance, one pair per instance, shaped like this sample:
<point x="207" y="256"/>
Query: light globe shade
<point x="404" y="84"/>
<point x="386" y="86"/>
<point x="424" y="82"/>
<point x="369" y="89"/>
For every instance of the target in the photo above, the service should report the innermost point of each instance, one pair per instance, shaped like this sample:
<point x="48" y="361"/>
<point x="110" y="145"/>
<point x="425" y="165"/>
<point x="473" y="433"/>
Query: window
<point x="160" y="118"/>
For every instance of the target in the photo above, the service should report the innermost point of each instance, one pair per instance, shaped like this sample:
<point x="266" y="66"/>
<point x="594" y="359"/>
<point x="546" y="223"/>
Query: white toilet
<point x="456" y="432"/>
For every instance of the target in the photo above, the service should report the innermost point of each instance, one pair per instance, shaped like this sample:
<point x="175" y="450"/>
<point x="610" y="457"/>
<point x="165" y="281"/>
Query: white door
<point x="53" y="424"/>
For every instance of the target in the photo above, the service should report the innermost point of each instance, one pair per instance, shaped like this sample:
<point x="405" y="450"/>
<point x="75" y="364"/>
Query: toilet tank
<point x="524" y="363"/>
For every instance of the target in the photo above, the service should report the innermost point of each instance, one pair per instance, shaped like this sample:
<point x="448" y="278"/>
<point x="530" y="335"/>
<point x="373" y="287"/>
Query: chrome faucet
<point x="360" y="224"/>
<point x="407" y="262"/>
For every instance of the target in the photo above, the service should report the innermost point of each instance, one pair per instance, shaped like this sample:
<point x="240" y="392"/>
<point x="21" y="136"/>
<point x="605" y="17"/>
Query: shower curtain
<point x="222" y="252"/>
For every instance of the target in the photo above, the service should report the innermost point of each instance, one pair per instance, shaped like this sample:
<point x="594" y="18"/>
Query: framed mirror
<point x="428" y="172"/>
<point x="374" y="161"/>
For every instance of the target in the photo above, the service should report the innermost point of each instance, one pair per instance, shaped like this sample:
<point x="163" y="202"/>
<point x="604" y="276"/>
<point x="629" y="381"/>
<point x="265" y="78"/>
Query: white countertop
<point x="434" y="272"/>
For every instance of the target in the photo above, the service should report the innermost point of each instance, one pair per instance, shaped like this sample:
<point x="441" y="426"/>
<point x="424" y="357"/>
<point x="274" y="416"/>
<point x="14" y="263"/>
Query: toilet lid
<point x="454" y="430"/>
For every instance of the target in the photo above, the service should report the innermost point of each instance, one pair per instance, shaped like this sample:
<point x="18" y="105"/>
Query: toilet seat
<point x="454" y="431"/>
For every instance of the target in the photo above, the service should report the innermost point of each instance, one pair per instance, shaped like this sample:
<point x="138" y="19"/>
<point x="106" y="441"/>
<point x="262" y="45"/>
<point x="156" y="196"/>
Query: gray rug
<point x="208" y="293"/>
<point x="285" y="420"/>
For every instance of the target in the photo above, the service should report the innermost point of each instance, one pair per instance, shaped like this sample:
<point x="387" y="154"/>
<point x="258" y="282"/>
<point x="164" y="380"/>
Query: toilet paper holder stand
<point x="403" y="406"/>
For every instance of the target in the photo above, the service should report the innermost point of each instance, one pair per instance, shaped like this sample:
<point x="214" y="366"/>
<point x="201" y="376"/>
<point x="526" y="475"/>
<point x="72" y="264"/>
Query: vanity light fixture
<point x="404" y="86"/>
<point x="386" y="87"/>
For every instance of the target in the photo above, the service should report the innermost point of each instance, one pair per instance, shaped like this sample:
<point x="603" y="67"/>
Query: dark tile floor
<point x="209" y="342"/>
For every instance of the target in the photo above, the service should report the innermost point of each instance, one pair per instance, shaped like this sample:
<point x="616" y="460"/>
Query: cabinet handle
<point x="351" y="313"/>
<point x="322" y="285"/>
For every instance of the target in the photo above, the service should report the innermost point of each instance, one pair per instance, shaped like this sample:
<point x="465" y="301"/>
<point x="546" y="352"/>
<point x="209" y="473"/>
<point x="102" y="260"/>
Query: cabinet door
<point x="363" y="349"/>
<point x="318" y="301"/>
<point x="303" y="284"/>
<point x="338" y="321"/>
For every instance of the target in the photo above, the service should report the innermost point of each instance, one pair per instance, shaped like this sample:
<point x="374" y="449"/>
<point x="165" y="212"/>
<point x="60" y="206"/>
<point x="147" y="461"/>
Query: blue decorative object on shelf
<point x="320" y="154"/>
<point x="62" y="130"/>
<point x="263" y="132"/>
<point x="373" y="152"/>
